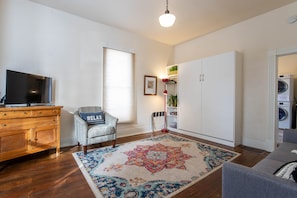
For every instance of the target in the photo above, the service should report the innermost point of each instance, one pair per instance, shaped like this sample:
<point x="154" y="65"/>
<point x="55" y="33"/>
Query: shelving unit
<point x="172" y="106"/>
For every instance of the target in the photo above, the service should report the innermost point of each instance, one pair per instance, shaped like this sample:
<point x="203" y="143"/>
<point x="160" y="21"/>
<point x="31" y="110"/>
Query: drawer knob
<point x="4" y="125"/>
<point x="4" y="114"/>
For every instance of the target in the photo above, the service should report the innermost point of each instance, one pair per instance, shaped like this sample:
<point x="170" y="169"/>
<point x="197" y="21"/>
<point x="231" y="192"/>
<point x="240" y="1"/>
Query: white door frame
<point x="272" y="103"/>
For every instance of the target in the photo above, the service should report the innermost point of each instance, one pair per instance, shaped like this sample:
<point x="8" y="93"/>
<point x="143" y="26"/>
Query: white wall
<point x="254" y="38"/>
<point x="40" y="40"/>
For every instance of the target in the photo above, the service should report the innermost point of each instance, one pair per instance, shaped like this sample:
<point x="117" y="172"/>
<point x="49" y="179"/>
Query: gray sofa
<point x="259" y="181"/>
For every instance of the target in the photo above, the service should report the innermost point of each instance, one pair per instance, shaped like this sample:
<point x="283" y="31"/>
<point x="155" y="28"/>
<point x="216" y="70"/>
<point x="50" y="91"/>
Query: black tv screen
<point x="23" y="88"/>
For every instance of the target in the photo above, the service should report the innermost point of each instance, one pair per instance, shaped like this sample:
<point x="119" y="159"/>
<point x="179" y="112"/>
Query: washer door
<point x="282" y="86"/>
<point x="282" y="114"/>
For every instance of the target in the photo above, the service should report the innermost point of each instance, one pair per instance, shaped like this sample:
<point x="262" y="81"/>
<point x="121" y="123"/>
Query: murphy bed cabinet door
<point x="189" y="96"/>
<point x="218" y="96"/>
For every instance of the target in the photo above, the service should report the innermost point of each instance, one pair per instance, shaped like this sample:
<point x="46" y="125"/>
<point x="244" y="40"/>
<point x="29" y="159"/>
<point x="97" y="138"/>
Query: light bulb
<point x="167" y="20"/>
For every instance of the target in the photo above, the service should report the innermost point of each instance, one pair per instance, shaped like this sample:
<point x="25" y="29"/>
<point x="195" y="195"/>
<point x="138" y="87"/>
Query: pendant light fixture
<point x="167" y="19"/>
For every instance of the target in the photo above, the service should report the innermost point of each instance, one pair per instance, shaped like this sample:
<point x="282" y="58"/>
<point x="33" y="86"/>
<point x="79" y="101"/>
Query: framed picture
<point x="150" y="85"/>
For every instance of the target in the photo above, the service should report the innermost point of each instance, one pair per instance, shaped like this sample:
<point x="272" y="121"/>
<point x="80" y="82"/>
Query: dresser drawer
<point x="28" y="123"/>
<point x="49" y="112"/>
<point x="15" y="114"/>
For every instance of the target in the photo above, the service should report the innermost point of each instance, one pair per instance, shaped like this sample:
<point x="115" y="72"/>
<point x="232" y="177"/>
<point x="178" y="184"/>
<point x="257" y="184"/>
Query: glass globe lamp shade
<point x="167" y="20"/>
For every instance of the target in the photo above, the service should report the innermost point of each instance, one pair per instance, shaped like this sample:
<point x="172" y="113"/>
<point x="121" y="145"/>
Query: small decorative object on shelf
<point x="172" y="100"/>
<point x="172" y="70"/>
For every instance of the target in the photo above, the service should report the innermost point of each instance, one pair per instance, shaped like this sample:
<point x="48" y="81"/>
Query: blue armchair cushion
<point x="93" y="117"/>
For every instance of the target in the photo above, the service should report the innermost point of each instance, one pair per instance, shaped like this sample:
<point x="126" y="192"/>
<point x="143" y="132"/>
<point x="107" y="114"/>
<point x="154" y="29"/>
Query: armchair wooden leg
<point x="113" y="143"/>
<point x="85" y="149"/>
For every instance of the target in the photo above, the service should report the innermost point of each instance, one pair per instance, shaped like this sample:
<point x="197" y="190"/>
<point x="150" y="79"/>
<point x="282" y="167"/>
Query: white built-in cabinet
<point x="209" y="92"/>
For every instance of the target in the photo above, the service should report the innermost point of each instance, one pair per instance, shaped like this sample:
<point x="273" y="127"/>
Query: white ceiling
<point x="194" y="18"/>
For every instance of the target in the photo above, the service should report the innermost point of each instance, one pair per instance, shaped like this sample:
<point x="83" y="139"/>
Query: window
<point x="118" y="84"/>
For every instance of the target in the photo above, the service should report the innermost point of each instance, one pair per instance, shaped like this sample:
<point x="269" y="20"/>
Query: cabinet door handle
<point x="201" y="77"/>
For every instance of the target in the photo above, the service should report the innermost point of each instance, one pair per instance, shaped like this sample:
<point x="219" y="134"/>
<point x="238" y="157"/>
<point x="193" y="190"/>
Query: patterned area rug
<point x="160" y="166"/>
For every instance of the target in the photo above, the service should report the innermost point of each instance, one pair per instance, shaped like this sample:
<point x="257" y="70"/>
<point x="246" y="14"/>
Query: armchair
<point x="90" y="129"/>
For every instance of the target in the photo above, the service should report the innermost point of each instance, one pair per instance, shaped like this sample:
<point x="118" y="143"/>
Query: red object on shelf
<point x="165" y="80"/>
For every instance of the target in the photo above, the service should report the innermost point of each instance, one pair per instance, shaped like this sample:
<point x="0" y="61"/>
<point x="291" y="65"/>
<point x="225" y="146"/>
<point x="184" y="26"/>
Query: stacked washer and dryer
<point x="286" y="102"/>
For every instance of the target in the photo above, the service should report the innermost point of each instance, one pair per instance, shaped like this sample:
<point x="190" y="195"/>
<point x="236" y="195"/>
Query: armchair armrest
<point x="290" y="136"/>
<point x="80" y="121"/>
<point x="111" y="120"/>
<point x="81" y="129"/>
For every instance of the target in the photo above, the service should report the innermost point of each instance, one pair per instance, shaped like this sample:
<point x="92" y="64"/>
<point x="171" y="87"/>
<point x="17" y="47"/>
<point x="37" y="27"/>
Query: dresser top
<point x="29" y="108"/>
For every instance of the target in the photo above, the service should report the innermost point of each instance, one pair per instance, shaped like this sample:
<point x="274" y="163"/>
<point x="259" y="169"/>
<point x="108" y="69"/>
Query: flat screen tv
<point x="23" y="88"/>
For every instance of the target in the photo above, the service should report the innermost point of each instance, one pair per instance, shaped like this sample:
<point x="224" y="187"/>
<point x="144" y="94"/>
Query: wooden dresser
<point x="27" y="130"/>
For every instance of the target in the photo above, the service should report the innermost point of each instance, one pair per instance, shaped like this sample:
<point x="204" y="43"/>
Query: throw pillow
<point x="294" y="174"/>
<point x="287" y="171"/>
<point x="93" y="117"/>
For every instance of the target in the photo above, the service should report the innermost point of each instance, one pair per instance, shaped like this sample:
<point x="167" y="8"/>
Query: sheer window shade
<point x="118" y="84"/>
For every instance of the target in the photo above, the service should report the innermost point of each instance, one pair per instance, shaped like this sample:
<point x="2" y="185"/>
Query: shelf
<point x="171" y="87"/>
<point x="174" y="76"/>
<point x="172" y="113"/>
<point x="173" y="125"/>
<point x="171" y="107"/>
<point x="172" y="116"/>
<point x="171" y="82"/>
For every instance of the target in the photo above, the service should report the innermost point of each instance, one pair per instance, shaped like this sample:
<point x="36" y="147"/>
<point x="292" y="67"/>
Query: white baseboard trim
<point x="68" y="142"/>
<point x="205" y="137"/>
<point x="259" y="144"/>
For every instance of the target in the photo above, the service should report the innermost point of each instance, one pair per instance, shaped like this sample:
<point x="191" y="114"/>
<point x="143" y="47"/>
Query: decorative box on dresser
<point x="28" y="130"/>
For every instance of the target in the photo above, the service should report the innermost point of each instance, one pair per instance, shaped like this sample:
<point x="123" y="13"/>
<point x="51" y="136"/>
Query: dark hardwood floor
<point x="44" y="175"/>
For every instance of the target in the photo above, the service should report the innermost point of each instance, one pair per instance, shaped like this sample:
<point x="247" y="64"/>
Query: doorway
<point x="287" y="92"/>
<point x="273" y="131"/>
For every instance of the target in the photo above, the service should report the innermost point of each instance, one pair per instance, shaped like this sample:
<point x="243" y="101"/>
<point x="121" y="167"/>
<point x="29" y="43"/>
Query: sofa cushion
<point x="268" y="165"/>
<point x="287" y="171"/>
<point x="282" y="156"/>
<point x="287" y="146"/>
<point x="93" y="117"/>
